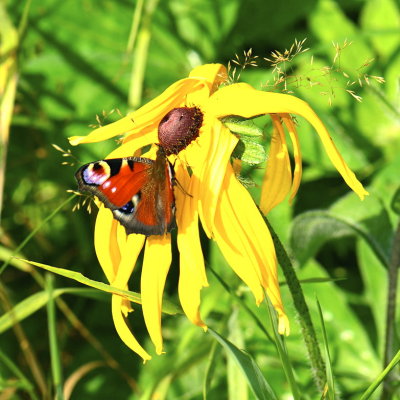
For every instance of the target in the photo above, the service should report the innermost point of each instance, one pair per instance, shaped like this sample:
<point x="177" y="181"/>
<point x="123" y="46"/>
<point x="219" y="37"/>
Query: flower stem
<point x="141" y="45"/>
<point x="307" y="327"/>
<point x="54" y="349"/>
<point x="393" y="273"/>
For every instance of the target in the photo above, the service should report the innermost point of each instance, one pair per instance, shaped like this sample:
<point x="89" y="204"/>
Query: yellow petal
<point x="213" y="75"/>
<point x="129" y="255"/>
<point x="139" y="122"/>
<point x="120" y="306"/>
<point x="130" y="147"/>
<point x="156" y="263"/>
<point x="123" y="330"/>
<point x="105" y="242"/>
<point x="105" y="132"/>
<point x="130" y="247"/>
<point x="249" y="248"/>
<point x="278" y="174"/>
<point x="192" y="276"/>
<point x="234" y="242"/>
<point x="243" y="100"/>
<point x="212" y="172"/>
<point x="287" y="120"/>
<point x="174" y="96"/>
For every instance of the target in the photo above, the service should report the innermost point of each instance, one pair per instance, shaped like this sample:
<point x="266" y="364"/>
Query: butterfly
<point x="139" y="191"/>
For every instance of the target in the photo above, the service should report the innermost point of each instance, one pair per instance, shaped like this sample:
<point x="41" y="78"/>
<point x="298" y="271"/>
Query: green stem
<point x="367" y="394"/>
<point x="307" y="327"/>
<point x="26" y="385"/>
<point x="54" y="350"/>
<point x="134" y="27"/>
<point x="140" y="55"/>
<point x="391" y="311"/>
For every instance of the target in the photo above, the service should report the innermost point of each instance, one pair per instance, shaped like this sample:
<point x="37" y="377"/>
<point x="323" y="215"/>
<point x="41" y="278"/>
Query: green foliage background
<point x="74" y="61"/>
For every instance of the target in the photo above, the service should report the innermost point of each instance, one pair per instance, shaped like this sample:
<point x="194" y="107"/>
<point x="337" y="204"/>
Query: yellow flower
<point x="210" y="193"/>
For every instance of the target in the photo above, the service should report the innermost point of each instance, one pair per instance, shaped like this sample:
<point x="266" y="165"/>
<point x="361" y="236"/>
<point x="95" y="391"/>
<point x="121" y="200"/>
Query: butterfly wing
<point x="139" y="191"/>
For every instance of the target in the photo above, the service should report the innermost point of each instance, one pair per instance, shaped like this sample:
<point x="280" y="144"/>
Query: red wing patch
<point x="139" y="191"/>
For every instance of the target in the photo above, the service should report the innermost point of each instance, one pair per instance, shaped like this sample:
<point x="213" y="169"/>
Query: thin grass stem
<point x="56" y="365"/>
<point x="33" y="233"/>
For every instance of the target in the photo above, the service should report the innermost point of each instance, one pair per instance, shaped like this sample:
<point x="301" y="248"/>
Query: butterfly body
<point x="139" y="191"/>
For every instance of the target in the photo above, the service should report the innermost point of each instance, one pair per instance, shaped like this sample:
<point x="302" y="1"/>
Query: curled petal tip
<point x="283" y="324"/>
<point x="362" y="193"/>
<point x="146" y="359"/>
<point x="75" y="140"/>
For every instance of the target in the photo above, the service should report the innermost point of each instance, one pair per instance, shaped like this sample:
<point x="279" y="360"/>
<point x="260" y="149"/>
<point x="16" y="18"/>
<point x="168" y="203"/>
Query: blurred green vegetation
<point x="75" y="61"/>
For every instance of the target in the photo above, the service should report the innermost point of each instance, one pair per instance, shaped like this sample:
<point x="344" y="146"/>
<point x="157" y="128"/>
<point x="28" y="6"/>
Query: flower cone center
<point x="178" y="128"/>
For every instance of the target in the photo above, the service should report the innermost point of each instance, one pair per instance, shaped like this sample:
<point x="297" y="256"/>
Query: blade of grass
<point x="393" y="276"/>
<point x="134" y="27"/>
<point x="330" y="393"/>
<point x="374" y="385"/>
<point x="140" y="54"/>
<point x="211" y="364"/>
<point x="282" y="350"/>
<point x="8" y="86"/>
<point x="257" y="382"/>
<point x="168" y="307"/>
<point x="31" y="304"/>
<point x="56" y="366"/>
<point x="27" y="350"/>
<point x="242" y="303"/>
<point x="237" y="385"/>
<point x="25" y="383"/>
<point x="33" y="233"/>
<point x="23" y="23"/>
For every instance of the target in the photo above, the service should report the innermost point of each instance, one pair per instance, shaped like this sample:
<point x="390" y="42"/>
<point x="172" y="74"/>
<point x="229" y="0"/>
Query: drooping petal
<point x="145" y="118"/>
<point x="250" y="250"/>
<point x="192" y="276"/>
<point x="156" y="263"/>
<point x="278" y="174"/>
<point x="235" y="244"/>
<point x="123" y="330"/>
<point x="105" y="242"/>
<point x="211" y="173"/>
<point x="298" y="168"/>
<point x="243" y="100"/>
<point x="120" y="305"/>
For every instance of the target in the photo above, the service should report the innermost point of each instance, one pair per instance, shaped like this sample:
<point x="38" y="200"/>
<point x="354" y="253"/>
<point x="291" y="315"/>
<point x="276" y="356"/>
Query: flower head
<point x="201" y="149"/>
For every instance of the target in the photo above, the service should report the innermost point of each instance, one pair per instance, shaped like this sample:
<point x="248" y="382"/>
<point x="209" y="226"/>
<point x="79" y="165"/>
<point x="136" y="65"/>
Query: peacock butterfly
<point x="139" y="191"/>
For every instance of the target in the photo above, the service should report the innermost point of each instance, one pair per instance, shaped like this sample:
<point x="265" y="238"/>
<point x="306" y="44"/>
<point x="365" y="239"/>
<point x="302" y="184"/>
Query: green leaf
<point x="257" y="382"/>
<point x="242" y="126"/>
<point x="330" y="24"/>
<point x="250" y="151"/>
<point x="31" y="304"/>
<point x="353" y="353"/>
<point x="168" y="307"/>
<point x="369" y="220"/>
<point x="380" y="20"/>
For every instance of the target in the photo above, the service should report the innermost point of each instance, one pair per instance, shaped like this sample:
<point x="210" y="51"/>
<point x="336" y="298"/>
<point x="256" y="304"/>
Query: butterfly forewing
<point x="139" y="191"/>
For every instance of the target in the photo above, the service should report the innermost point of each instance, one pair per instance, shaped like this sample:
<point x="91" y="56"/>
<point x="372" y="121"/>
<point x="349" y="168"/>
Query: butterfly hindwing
<point x="139" y="191"/>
